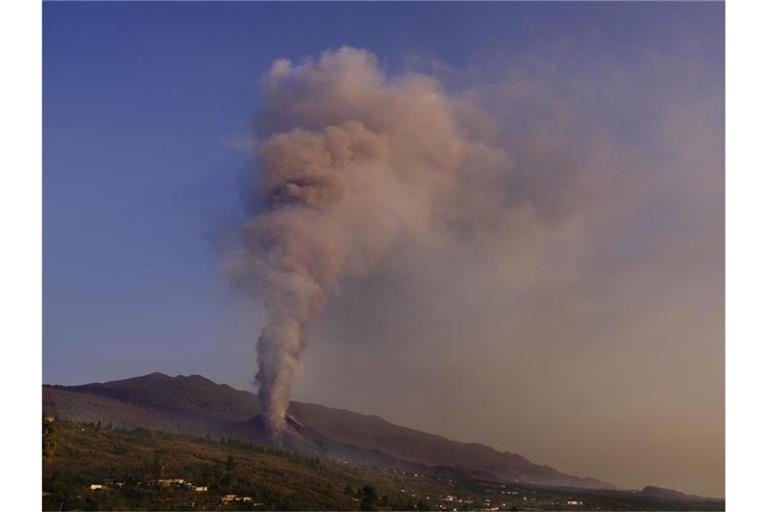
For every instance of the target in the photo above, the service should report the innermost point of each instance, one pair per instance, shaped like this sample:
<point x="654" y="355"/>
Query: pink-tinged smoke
<point x="548" y="211"/>
<point x="353" y="163"/>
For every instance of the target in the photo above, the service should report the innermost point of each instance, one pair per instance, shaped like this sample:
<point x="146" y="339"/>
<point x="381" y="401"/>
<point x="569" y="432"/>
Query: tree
<point x="229" y="472"/>
<point x="49" y="439"/>
<point x="369" y="498"/>
<point x="230" y="466"/>
<point x="157" y="466"/>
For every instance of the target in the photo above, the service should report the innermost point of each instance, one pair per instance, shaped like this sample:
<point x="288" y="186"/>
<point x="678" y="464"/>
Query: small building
<point x="167" y="482"/>
<point x="230" y="498"/>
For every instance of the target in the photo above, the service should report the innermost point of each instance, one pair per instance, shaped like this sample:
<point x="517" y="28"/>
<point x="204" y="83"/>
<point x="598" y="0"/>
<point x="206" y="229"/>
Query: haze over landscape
<point x="544" y="273"/>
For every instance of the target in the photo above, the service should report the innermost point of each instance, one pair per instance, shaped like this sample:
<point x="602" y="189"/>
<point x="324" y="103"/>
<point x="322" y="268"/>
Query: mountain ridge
<point x="198" y="406"/>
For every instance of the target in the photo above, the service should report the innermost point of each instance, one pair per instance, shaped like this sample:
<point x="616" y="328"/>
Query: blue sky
<point x="140" y="100"/>
<point x="144" y="104"/>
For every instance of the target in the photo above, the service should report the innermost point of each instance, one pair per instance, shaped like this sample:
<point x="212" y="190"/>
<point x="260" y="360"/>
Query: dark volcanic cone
<point x="295" y="437"/>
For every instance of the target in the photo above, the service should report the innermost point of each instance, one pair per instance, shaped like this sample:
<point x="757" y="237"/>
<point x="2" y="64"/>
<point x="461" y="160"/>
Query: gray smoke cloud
<point x="540" y="239"/>
<point x="353" y="166"/>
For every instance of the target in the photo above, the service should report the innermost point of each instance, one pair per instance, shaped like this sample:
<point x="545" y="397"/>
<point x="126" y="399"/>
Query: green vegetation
<point x="140" y="469"/>
<point x="368" y="498"/>
<point x="129" y="463"/>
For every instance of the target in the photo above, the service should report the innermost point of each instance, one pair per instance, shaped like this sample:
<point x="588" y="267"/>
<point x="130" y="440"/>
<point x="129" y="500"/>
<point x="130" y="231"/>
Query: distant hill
<point x="667" y="494"/>
<point x="194" y="405"/>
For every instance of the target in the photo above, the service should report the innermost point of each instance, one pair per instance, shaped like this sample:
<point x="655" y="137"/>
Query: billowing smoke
<point x="353" y="165"/>
<point x="536" y="224"/>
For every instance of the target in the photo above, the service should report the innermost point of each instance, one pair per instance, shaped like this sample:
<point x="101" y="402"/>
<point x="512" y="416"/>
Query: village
<point x="484" y="496"/>
<point x="172" y="483"/>
<point x="502" y="498"/>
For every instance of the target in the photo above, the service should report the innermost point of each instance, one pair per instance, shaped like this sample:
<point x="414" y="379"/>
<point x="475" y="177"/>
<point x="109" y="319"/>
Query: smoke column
<point x="352" y="164"/>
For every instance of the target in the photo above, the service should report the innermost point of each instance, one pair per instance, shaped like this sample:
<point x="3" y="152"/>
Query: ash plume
<point x="352" y="165"/>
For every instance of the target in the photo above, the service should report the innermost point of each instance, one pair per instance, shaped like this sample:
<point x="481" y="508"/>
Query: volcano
<point x="195" y="405"/>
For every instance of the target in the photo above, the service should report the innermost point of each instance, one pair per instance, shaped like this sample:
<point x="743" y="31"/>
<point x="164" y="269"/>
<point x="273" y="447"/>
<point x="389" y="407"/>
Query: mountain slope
<point x="129" y="465"/>
<point x="195" y="405"/>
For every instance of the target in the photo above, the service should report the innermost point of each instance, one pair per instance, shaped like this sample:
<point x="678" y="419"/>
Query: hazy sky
<point x="586" y="333"/>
